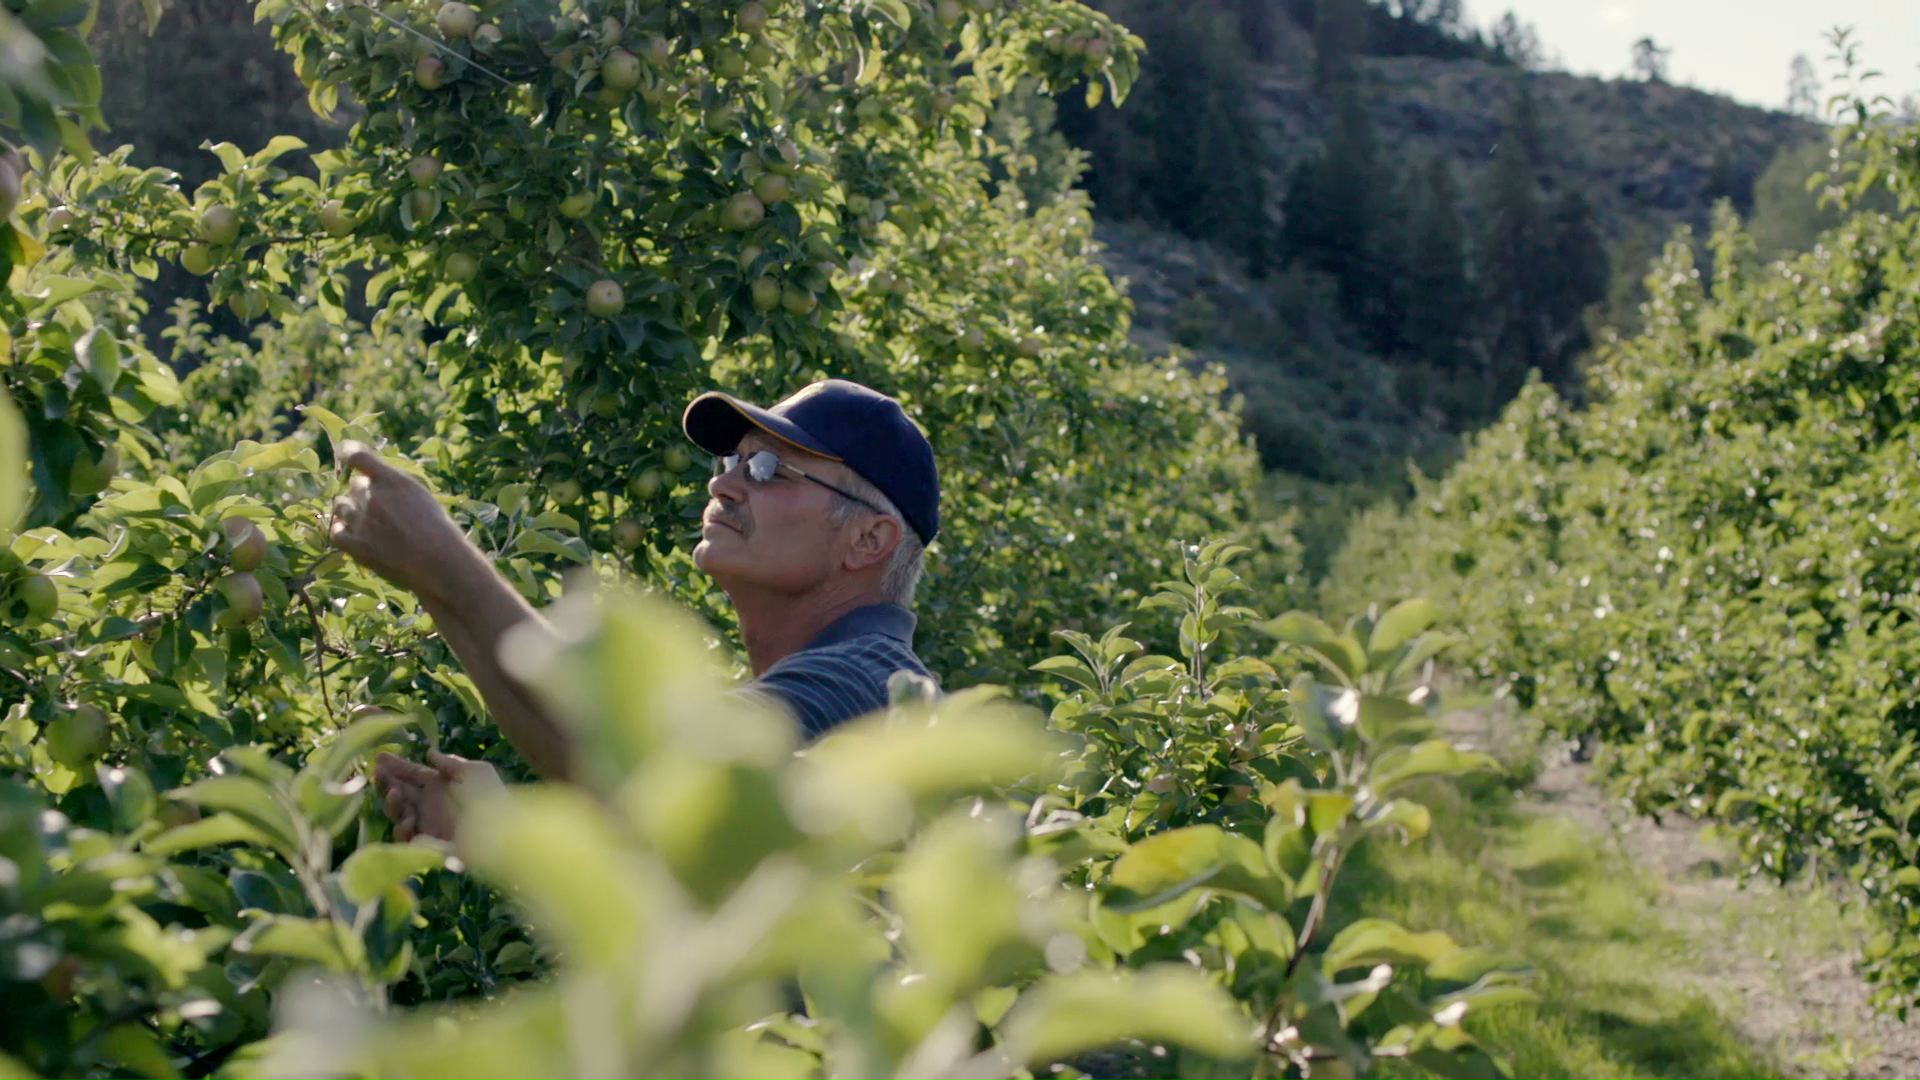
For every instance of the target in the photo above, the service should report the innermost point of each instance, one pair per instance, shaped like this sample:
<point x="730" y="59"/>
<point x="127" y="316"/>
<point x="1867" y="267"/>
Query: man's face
<point x="775" y="536"/>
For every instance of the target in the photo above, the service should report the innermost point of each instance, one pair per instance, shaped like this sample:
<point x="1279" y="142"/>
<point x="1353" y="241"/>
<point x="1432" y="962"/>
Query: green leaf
<point x="375" y="868"/>
<point x="13" y="465"/>
<point x="249" y="800"/>
<point x="337" y="758"/>
<point x="277" y="146"/>
<point x="1400" y="625"/>
<point x="974" y="741"/>
<point x="1371" y="941"/>
<point x="560" y="850"/>
<point x="1073" y="1014"/>
<point x="210" y="831"/>
<point x="1312" y="705"/>
<point x="1435" y="757"/>
<point x="1327" y="810"/>
<point x="313" y="940"/>
<point x="1069" y="668"/>
<point x="1339" y="653"/>
<point x="1165" y="865"/>
<point x="959" y="907"/>
<point x="139" y="1049"/>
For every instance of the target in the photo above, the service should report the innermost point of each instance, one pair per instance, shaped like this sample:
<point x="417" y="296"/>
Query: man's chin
<point x="705" y="555"/>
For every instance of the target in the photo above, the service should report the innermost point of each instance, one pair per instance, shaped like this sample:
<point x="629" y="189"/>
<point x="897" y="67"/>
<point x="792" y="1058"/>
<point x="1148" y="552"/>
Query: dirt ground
<point x="1783" y="962"/>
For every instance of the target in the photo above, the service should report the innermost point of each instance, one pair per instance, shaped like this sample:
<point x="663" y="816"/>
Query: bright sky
<point x="1743" y="48"/>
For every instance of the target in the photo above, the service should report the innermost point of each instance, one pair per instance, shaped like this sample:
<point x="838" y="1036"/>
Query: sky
<point x="1742" y="48"/>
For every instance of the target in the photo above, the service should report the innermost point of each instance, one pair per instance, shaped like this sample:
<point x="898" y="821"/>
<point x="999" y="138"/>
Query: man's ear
<point x="874" y="543"/>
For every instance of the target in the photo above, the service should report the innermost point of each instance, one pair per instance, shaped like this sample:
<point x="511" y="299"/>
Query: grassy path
<point x="1650" y="959"/>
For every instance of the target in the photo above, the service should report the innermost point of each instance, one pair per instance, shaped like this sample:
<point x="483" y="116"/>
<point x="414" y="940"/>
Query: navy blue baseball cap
<point x="863" y="429"/>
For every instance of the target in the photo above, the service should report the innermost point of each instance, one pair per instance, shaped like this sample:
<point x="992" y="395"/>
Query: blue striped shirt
<point x="843" y="672"/>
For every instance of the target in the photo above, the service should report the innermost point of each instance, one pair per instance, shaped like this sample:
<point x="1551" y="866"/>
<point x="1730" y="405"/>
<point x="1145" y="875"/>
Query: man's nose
<point x="728" y="486"/>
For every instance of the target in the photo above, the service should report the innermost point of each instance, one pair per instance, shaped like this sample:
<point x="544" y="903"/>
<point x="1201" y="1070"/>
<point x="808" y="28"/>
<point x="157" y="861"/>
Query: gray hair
<point x="909" y="557"/>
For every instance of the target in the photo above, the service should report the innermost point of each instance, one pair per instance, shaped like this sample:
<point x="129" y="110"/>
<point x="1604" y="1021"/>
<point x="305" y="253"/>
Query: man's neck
<point x="775" y="626"/>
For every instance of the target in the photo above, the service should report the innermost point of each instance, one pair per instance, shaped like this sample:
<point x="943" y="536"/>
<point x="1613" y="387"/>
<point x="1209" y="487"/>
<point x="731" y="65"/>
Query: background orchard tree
<point x="772" y="192"/>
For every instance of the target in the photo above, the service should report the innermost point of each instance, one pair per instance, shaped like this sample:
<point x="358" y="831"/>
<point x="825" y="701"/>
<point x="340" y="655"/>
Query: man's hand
<point x="390" y="522"/>
<point x="423" y="800"/>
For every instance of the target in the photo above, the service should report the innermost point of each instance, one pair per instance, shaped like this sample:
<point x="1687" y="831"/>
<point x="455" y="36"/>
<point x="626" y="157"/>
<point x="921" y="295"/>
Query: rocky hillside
<point x="1648" y="157"/>
<point x="1649" y="154"/>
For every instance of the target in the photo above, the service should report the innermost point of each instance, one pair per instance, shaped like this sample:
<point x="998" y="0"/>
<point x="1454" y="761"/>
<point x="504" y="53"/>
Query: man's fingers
<point x="447" y="765"/>
<point x="403" y="826"/>
<point x="366" y="461"/>
<point x="390" y="769"/>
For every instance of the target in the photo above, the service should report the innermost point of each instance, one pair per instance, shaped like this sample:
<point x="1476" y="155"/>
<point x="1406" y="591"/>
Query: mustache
<point x="736" y="523"/>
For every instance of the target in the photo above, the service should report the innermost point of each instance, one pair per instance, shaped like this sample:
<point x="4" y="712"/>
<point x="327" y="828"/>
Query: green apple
<point x="628" y="534"/>
<point x="78" y="736"/>
<point x="797" y="301"/>
<point x="605" y="299"/>
<point x="1030" y="347"/>
<point x="766" y="293"/>
<point x="645" y="483"/>
<point x="606" y="404"/>
<point x="577" y="205"/>
<point x="620" y="70"/>
<point x="456" y="20"/>
<point x="729" y="64"/>
<point x="246" y="544"/>
<point x="565" y="492"/>
<point x="103" y="359"/>
<point x="772" y="188"/>
<point x="722" y="120"/>
<point x="611" y="30"/>
<point x="753" y="18"/>
<point x="487" y="37"/>
<point x="219" y="225"/>
<point x="658" y="51"/>
<point x="676" y="459"/>
<point x="742" y="211"/>
<point x="942" y="102"/>
<point x="197" y="259"/>
<point x="430" y="73"/>
<point x="59" y="219"/>
<point x="245" y="601"/>
<point x="9" y="185"/>
<point x="762" y="55"/>
<point x="424" y="170"/>
<point x="948" y="12"/>
<point x="334" y="219"/>
<point x="248" y="304"/>
<point x="35" y="599"/>
<point x="460" y="267"/>
<point x="92" y="474"/>
<point x="423" y="204"/>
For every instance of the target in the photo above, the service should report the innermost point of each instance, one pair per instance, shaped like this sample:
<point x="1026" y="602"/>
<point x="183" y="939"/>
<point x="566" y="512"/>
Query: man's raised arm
<point x="390" y="523"/>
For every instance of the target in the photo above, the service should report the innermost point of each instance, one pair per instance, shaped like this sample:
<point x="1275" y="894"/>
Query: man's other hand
<point x="390" y="523"/>
<point x="424" y="800"/>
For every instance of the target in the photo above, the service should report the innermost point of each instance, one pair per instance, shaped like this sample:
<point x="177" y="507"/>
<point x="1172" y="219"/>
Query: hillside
<point x="1651" y="155"/>
<point x="1326" y="399"/>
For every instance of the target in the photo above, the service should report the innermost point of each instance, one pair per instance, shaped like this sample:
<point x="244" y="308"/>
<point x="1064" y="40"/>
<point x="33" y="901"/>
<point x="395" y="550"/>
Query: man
<point x="819" y="513"/>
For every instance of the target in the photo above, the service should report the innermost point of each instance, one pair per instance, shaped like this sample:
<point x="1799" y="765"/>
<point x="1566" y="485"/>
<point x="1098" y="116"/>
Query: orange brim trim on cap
<point x="754" y="421"/>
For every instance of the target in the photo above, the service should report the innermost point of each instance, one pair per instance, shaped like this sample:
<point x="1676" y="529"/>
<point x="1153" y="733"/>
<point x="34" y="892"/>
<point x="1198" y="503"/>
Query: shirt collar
<point x="890" y="619"/>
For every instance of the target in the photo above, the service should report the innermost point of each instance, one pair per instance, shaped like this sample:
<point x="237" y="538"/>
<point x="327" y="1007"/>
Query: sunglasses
<point x="764" y="465"/>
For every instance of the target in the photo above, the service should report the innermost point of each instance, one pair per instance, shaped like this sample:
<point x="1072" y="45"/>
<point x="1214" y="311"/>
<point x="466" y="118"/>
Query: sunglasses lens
<point x="763" y="465"/>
